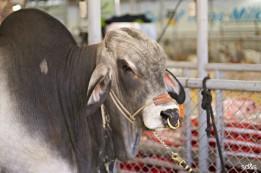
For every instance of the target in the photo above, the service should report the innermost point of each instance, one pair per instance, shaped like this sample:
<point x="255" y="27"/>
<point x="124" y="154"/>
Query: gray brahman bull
<point x="65" y="108"/>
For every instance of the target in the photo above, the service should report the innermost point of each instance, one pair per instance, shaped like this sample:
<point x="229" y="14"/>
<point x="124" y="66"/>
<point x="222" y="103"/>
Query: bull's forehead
<point x="146" y="56"/>
<point x="135" y="46"/>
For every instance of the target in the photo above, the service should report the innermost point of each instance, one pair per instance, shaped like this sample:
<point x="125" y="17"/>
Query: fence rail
<point x="238" y="85"/>
<point x="217" y="66"/>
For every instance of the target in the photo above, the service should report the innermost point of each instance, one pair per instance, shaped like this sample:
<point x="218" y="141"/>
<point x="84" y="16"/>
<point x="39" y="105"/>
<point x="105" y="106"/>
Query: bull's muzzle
<point x="170" y="118"/>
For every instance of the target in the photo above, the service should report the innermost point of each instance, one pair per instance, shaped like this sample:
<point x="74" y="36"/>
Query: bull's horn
<point x="179" y="97"/>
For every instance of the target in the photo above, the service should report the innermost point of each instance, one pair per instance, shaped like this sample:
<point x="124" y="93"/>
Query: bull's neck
<point x="86" y="130"/>
<point x="78" y="68"/>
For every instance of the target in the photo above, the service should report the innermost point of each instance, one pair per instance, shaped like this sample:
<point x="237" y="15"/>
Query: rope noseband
<point x="129" y="116"/>
<point x="158" y="100"/>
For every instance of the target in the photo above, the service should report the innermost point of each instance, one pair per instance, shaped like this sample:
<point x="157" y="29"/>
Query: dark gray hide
<point x="47" y="77"/>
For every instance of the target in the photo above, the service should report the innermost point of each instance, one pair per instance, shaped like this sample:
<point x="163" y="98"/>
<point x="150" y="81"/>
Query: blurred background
<point x="234" y="25"/>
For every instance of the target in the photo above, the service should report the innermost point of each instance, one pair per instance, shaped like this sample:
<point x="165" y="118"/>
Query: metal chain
<point x="174" y="156"/>
<point x="155" y="133"/>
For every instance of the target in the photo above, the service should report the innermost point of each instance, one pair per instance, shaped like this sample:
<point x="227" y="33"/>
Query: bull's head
<point x="137" y="91"/>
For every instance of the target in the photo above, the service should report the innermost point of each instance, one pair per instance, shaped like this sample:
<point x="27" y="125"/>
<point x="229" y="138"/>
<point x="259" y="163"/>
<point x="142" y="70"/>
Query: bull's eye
<point x="127" y="69"/>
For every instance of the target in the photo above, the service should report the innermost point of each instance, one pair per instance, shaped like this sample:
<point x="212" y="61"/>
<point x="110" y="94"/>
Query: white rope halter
<point x="160" y="99"/>
<point x="129" y="116"/>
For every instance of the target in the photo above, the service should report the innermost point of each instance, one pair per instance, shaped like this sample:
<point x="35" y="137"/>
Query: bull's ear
<point x="99" y="85"/>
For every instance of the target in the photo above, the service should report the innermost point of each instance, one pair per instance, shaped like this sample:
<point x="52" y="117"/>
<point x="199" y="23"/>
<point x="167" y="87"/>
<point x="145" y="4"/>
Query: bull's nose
<point x="170" y="118"/>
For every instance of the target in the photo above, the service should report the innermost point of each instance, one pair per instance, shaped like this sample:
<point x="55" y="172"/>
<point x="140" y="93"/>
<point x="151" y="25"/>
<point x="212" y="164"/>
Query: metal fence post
<point x="117" y="7"/>
<point x="187" y="121"/>
<point x="219" y="121"/>
<point x="202" y="54"/>
<point x="94" y="21"/>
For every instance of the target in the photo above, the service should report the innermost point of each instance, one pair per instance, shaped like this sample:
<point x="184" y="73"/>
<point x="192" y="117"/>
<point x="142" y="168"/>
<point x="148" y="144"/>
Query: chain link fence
<point x="238" y="120"/>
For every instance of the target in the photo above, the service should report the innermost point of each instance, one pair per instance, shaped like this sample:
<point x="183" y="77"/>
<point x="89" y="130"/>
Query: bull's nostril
<point x="169" y="113"/>
<point x="164" y="114"/>
<point x="170" y="118"/>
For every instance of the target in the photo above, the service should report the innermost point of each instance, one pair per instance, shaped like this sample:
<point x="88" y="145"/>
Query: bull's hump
<point x="38" y="45"/>
<point x="36" y="36"/>
<point x="35" y="25"/>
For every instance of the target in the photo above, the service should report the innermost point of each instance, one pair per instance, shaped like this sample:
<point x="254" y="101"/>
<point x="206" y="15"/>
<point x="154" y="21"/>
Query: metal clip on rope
<point x="174" y="156"/>
<point x="181" y="162"/>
